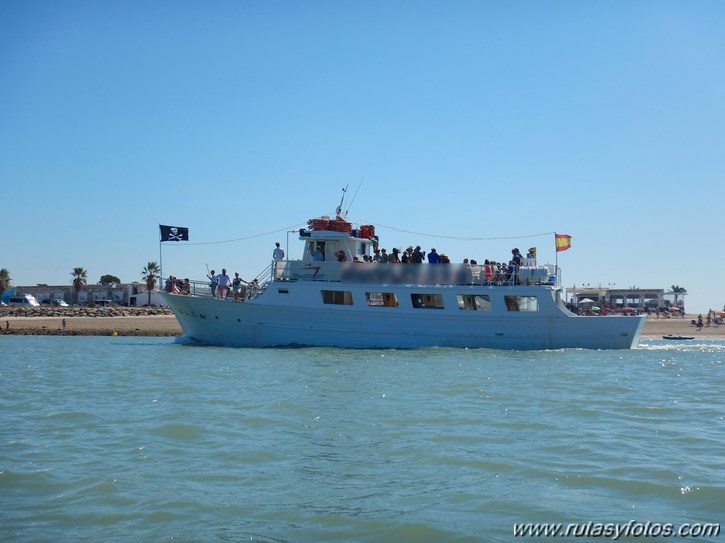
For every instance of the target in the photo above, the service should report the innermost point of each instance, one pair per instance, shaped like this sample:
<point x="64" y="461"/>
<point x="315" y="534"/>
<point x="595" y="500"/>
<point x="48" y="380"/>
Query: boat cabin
<point x="334" y="251"/>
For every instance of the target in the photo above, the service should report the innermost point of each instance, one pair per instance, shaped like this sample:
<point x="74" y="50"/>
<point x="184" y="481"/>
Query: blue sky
<point x="472" y="127"/>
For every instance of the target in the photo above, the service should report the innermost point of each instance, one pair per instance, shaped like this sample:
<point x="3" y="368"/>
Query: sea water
<point x="121" y="439"/>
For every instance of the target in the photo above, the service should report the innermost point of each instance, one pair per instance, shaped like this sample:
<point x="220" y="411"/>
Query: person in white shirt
<point x="278" y="253"/>
<point x="224" y="283"/>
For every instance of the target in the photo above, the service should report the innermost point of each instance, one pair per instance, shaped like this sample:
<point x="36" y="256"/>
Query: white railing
<point x="437" y="274"/>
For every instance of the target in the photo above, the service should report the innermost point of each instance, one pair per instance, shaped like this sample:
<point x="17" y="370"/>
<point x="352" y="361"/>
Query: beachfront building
<point x="642" y="299"/>
<point x="123" y="294"/>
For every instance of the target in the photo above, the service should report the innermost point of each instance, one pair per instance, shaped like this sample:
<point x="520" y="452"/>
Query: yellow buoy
<point x="114" y="334"/>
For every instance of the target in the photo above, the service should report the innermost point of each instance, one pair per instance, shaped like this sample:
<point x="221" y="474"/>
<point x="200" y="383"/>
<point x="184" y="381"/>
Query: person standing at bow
<point x="224" y="283"/>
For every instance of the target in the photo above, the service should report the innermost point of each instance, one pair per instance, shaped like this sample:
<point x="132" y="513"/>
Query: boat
<point x="317" y="300"/>
<point x="678" y="338"/>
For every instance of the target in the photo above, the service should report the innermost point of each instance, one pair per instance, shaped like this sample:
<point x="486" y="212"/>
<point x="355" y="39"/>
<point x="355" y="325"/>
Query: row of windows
<point x="466" y="302"/>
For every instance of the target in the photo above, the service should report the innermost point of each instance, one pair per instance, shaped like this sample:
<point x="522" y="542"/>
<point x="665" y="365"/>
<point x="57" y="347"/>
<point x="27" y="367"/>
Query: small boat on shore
<point x="336" y="296"/>
<point x="677" y="338"/>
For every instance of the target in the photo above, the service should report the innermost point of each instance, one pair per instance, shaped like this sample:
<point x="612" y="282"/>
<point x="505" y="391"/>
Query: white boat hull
<point x="275" y="320"/>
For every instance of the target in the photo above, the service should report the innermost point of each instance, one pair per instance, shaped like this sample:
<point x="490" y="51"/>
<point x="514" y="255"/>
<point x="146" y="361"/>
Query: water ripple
<point x="152" y="440"/>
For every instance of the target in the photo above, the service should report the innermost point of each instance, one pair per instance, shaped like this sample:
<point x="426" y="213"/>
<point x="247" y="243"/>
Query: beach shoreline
<point x="161" y="322"/>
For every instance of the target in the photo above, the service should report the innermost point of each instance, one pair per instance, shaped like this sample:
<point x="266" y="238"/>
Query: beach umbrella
<point x="721" y="313"/>
<point x="586" y="301"/>
<point x="628" y="309"/>
<point x="595" y="308"/>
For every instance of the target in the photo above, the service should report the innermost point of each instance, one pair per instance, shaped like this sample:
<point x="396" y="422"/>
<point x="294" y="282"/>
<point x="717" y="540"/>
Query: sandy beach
<point x="128" y="322"/>
<point x="89" y="321"/>
<point x="155" y="325"/>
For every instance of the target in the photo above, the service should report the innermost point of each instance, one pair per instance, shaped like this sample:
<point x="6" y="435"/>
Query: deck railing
<point x="435" y="274"/>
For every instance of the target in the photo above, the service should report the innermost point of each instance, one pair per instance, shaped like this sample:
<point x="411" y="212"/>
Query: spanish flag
<point x="563" y="242"/>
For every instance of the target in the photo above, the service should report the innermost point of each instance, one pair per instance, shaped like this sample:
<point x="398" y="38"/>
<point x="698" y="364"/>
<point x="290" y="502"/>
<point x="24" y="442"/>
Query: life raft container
<point x="340" y="225"/>
<point x="319" y="224"/>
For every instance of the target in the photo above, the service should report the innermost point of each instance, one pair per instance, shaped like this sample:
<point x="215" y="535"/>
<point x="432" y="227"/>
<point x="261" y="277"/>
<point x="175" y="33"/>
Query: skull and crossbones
<point x="174" y="234"/>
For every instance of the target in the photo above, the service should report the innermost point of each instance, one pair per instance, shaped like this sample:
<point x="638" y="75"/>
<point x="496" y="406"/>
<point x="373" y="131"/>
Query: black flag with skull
<point x="174" y="233"/>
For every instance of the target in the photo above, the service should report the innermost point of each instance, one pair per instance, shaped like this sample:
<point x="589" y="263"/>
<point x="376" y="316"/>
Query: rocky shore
<point x="81" y="311"/>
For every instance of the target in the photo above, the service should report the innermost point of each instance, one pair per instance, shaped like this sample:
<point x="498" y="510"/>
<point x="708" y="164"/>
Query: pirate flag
<point x="174" y="233"/>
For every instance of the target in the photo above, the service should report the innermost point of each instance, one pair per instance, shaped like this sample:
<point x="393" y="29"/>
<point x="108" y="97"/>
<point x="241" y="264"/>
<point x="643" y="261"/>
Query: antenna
<point x="355" y="195"/>
<point x="338" y="210"/>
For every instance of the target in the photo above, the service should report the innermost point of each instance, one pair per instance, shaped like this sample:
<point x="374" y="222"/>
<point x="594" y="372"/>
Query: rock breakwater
<point x="81" y="311"/>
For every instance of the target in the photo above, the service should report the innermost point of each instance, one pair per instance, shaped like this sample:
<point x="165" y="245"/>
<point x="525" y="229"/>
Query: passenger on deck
<point x="394" y="257"/>
<point x="317" y="254"/>
<point x="252" y="288"/>
<point x="417" y="256"/>
<point x="341" y="256"/>
<point x="170" y="285"/>
<point x="224" y="283"/>
<point x="384" y="257"/>
<point x="516" y="257"/>
<point x="213" y="282"/>
<point x="278" y="253"/>
<point x="511" y="272"/>
<point x="487" y="271"/>
<point x="433" y="257"/>
<point x="237" y="287"/>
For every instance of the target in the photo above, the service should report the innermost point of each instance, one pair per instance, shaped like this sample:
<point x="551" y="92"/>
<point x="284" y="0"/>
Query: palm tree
<point x="4" y="281"/>
<point x="80" y="278"/>
<point x="149" y="275"/>
<point x="676" y="290"/>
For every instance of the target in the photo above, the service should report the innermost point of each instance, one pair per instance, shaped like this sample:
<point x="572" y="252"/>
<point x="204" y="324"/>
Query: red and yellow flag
<point x="563" y="242"/>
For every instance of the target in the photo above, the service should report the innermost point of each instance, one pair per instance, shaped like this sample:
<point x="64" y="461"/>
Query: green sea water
<point x="145" y="439"/>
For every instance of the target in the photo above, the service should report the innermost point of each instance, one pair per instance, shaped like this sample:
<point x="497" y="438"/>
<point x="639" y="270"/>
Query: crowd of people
<point x="712" y="319"/>
<point x="490" y="271"/>
<point x="177" y="286"/>
<point x="414" y="255"/>
<point x="221" y="286"/>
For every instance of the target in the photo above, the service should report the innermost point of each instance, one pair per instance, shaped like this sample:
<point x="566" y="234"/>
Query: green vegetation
<point x="80" y="279"/>
<point x="109" y="280"/>
<point x="149" y="274"/>
<point x="4" y="280"/>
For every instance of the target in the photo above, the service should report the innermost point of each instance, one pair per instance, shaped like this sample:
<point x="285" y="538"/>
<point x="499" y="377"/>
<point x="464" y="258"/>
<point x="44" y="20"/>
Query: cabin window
<point x="472" y="302"/>
<point x="381" y="299"/>
<point x="427" y="301"/>
<point x="338" y="297"/>
<point x="521" y="303"/>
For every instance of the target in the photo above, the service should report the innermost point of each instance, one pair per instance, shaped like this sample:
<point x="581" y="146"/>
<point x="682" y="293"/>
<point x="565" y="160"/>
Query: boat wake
<point x="684" y="345"/>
